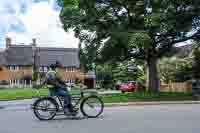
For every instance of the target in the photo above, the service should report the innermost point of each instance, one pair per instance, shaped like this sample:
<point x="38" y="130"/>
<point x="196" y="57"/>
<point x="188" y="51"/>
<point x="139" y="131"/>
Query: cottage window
<point x="67" y="69"/>
<point x="70" y="69"/>
<point x="13" y="68"/>
<point x="43" y="69"/>
<point x="74" y="69"/>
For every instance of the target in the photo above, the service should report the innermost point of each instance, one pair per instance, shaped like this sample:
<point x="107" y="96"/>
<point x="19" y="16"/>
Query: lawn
<point x="132" y="97"/>
<point x="23" y="93"/>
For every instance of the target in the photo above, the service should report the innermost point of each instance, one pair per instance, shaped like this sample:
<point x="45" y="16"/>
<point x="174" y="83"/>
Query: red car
<point x="131" y="86"/>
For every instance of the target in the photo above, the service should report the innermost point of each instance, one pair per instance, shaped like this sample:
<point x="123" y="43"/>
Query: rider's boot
<point x="68" y="111"/>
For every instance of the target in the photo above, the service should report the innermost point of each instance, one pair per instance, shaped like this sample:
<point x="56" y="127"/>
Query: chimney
<point x="8" y="42"/>
<point x="33" y="42"/>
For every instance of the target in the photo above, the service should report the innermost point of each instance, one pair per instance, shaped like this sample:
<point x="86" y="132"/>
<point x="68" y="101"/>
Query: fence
<point x="17" y="83"/>
<point x="176" y="87"/>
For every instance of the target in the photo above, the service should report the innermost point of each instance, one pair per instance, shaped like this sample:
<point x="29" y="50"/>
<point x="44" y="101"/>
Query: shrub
<point x="4" y="82"/>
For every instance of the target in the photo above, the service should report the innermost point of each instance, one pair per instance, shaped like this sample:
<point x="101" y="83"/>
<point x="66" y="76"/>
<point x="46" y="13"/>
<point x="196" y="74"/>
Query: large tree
<point x="122" y="29"/>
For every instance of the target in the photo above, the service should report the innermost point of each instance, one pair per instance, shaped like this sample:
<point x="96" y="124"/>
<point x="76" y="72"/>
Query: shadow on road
<point x="76" y="118"/>
<point x="71" y="118"/>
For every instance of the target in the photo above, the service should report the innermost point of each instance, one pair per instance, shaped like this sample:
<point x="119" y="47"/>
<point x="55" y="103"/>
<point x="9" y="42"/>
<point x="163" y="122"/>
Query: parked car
<point x="131" y="86"/>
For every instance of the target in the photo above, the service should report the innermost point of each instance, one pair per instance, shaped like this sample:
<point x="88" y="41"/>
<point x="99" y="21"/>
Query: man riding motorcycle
<point x="57" y="87"/>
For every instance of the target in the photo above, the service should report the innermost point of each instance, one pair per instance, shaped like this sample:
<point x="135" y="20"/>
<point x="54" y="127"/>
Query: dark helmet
<point x="57" y="64"/>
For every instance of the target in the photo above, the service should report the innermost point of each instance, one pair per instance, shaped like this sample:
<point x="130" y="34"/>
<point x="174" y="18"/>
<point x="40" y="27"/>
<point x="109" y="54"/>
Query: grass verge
<point x="21" y="93"/>
<point x="26" y="93"/>
<point x="133" y="97"/>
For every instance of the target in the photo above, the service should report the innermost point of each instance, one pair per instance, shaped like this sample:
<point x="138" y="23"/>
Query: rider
<point x="57" y="87"/>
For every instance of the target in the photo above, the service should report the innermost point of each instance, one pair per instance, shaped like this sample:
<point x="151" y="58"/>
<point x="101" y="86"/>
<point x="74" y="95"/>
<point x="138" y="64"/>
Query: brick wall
<point x="24" y="71"/>
<point x="176" y="87"/>
<point x="67" y="75"/>
<point x="6" y="74"/>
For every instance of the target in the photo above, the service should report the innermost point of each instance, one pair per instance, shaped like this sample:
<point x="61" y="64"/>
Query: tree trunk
<point x="152" y="75"/>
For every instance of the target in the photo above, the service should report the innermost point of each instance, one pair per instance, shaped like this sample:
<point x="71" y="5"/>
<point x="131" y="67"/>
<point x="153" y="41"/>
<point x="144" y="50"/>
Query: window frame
<point x="43" y="69"/>
<point x="13" y="67"/>
<point x="70" y="69"/>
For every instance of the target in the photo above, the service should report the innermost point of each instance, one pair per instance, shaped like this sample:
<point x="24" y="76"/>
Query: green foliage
<point x="196" y="60"/>
<point x="121" y="72"/>
<point x="175" y="69"/>
<point x="35" y="76"/>
<point x="87" y="57"/>
<point x="184" y="73"/>
<point x="140" y="40"/>
<point x="22" y="93"/>
<point x="118" y="72"/>
<point x="107" y="81"/>
<point x="147" y="96"/>
<point x="104" y="76"/>
<point x="25" y="93"/>
<point x="4" y="82"/>
<point x="129" y="30"/>
<point x="67" y="2"/>
<point x="118" y="19"/>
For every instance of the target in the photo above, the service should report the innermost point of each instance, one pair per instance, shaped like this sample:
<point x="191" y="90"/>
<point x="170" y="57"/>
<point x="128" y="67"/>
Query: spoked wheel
<point x="92" y="106"/>
<point x="45" y="108"/>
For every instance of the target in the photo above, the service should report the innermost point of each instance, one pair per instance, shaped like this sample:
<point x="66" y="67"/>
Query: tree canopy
<point x="123" y="29"/>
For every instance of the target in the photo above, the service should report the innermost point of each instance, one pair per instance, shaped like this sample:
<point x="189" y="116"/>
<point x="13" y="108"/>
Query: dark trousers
<point x="62" y="92"/>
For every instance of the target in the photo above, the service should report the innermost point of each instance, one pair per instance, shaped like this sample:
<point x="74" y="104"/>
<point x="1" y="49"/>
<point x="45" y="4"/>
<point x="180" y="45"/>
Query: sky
<point x="23" y="20"/>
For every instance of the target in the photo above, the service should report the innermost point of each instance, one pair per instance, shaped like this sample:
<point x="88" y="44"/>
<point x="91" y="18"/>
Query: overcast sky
<point x="23" y="20"/>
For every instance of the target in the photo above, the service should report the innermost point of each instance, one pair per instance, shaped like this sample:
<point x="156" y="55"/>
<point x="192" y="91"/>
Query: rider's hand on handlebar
<point x="38" y="86"/>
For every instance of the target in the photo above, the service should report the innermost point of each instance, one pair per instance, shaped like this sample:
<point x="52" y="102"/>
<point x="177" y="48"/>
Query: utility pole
<point x="35" y="64"/>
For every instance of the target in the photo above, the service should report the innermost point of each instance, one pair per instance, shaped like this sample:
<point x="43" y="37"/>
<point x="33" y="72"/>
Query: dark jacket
<point x="53" y="80"/>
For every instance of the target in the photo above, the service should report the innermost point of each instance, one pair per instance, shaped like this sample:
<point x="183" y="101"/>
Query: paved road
<point x="137" y="119"/>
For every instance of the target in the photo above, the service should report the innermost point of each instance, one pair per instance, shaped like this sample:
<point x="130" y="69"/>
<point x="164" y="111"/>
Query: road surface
<point x="135" y="119"/>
